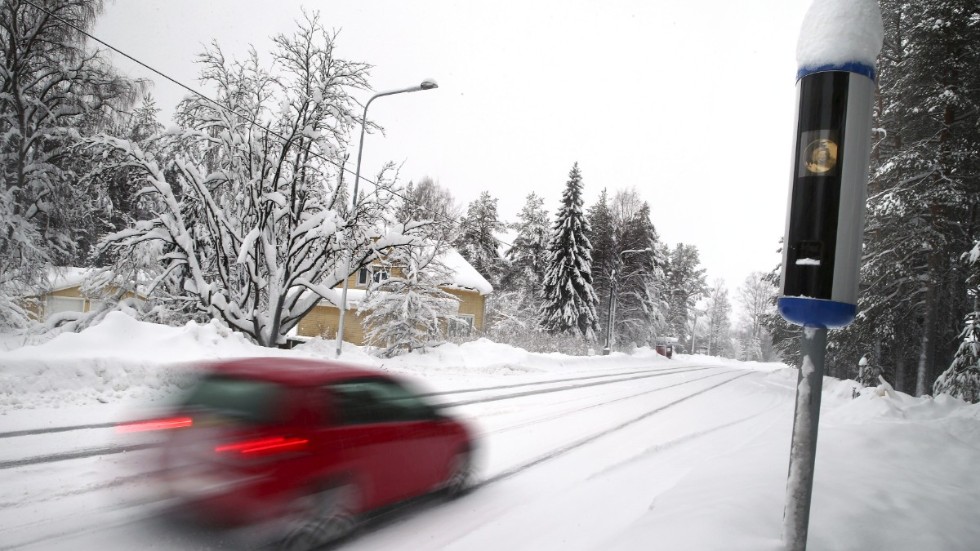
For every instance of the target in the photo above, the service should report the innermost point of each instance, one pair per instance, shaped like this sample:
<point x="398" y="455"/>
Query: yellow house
<point x="466" y="284"/>
<point x="65" y="294"/>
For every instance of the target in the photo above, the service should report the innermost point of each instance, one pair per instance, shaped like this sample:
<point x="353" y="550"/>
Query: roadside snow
<point x="122" y="359"/>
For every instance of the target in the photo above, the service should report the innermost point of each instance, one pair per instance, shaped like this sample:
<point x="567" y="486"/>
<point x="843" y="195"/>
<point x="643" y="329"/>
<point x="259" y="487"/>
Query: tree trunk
<point x="928" y="326"/>
<point x="899" y="373"/>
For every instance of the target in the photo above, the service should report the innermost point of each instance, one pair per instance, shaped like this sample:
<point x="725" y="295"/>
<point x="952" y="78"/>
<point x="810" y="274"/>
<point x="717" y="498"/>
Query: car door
<point x="425" y="444"/>
<point x="382" y="445"/>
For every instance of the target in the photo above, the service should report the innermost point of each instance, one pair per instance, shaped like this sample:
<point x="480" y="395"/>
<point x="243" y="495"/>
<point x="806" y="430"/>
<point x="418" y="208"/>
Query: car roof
<point x="291" y="371"/>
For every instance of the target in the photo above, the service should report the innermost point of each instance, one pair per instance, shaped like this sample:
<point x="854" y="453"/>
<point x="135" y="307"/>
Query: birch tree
<point x="250" y="218"/>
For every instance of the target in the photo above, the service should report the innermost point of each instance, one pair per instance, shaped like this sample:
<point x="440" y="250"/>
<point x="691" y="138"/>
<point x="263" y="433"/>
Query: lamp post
<point x="427" y="84"/>
<point x="613" y="283"/>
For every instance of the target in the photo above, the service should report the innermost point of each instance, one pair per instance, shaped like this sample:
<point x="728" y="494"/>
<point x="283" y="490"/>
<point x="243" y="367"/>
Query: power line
<point x="247" y="118"/>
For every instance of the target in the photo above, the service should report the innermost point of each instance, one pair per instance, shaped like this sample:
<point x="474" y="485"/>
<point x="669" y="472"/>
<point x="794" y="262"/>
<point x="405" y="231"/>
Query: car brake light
<point x="156" y="424"/>
<point x="263" y="446"/>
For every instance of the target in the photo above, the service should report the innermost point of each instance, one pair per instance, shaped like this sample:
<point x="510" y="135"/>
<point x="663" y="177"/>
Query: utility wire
<point x="248" y="118"/>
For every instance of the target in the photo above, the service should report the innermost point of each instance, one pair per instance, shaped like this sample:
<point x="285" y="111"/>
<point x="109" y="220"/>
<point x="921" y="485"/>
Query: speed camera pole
<point x="803" y="449"/>
<point x="825" y="220"/>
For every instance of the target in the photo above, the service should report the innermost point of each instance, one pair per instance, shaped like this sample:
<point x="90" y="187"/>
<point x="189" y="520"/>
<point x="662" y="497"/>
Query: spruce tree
<point x="641" y="307"/>
<point x="602" y="236"/>
<point x="477" y="241"/>
<point x="962" y="379"/>
<point x="685" y="285"/>
<point x="569" y="299"/>
<point x="923" y="191"/>
<point x="527" y="257"/>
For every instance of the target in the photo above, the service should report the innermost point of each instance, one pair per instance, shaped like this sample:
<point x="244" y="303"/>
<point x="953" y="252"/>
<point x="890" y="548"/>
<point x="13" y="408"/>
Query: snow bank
<point x="118" y="359"/>
<point x="123" y="359"/>
<point x="892" y="472"/>
<point x="835" y="32"/>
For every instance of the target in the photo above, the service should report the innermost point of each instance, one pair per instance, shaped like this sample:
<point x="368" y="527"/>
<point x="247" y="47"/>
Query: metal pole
<point x="426" y="85"/>
<point x="694" y="333"/>
<point x="803" y="449"/>
<point x="353" y="212"/>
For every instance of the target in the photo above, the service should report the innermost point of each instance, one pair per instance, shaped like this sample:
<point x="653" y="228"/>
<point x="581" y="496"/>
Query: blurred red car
<point x="306" y="446"/>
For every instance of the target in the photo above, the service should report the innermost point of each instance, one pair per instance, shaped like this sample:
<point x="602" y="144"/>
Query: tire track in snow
<point x="108" y="450"/>
<point x="589" y="439"/>
<point x="394" y="514"/>
<point x="563" y="413"/>
<point x="665" y="371"/>
<point x="77" y="454"/>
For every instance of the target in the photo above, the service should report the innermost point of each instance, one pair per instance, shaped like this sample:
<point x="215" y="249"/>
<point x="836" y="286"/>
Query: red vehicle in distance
<point x="304" y="447"/>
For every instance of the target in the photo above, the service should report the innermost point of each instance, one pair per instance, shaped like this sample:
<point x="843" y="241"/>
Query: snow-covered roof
<point x="464" y="274"/>
<point x="837" y="32"/>
<point x="64" y="277"/>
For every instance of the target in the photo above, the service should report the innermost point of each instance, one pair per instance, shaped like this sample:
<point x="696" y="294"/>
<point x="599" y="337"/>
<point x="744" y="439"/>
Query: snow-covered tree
<point x="602" y="236"/>
<point x="118" y="207"/>
<point x="528" y="253"/>
<point x="639" y="307"/>
<point x="924" y="188"/>
<point x="568" y="300"/>
<point x="260" y="232"/>
<point x="477" y="240"/>
<point x="52" y="88"/>
<point x="869" y="372"/>
<point x="427" y="201"/>
<point x="962" y="379"/>
<point x="685" y="282"/>
<point x="718" y="319"/>
<point x="756" y="298"/>
<point x="522" y="282"/>
<point x="407" y="310"/>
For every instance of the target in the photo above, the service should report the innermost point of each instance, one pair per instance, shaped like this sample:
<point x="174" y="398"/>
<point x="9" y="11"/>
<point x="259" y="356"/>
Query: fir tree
<point x="923" y="191"/>
<point x="477" y="241"/>
<point x="526" y="258"/>
<point x="962" y="379"/>
<point x="685" y="285"/>
<point x="602" y="236"/>
<point x="569" y="300"/>
<point x="868" y="372"/>
<point x="640" y="309"/>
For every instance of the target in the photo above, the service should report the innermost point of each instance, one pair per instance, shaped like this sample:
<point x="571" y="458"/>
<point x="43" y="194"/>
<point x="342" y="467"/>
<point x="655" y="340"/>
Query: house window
<point x="380" y="275"/>
<point x="363" y="276"/>
<point x="461" y="325"/>
<point x="57" y="305"/>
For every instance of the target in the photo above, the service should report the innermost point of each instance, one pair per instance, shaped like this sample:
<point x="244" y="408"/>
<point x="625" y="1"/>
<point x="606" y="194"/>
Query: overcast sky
<point x="691" y="103"/>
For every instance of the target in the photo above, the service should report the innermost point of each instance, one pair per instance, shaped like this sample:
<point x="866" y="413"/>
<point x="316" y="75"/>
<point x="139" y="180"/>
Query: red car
<point x="306" y="446"/>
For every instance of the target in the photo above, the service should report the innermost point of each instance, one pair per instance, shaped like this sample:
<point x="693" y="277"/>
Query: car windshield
<point x="247" y="400"/>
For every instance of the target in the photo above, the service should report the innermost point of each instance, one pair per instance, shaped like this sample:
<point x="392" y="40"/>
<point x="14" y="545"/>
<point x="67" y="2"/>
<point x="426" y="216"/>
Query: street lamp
<point x="427" y="84"/>
<point x="613" y="283"/>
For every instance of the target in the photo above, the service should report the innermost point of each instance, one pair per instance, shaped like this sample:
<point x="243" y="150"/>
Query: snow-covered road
<point x="627" y="451"/>
<point x="538" y="442"/>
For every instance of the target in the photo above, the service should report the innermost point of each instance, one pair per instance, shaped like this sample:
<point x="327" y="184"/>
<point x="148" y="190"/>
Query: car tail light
<point x="264" y="446"/>
<point x="156" y="424"/>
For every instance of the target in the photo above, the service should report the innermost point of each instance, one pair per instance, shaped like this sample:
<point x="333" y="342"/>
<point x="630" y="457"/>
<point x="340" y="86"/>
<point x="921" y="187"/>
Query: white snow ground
<point x="692" y="458"/>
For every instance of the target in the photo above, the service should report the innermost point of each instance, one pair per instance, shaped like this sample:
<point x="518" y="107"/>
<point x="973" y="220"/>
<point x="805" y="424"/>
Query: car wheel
<point x="321" y="517"/>
<point x="460" y="475"/>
